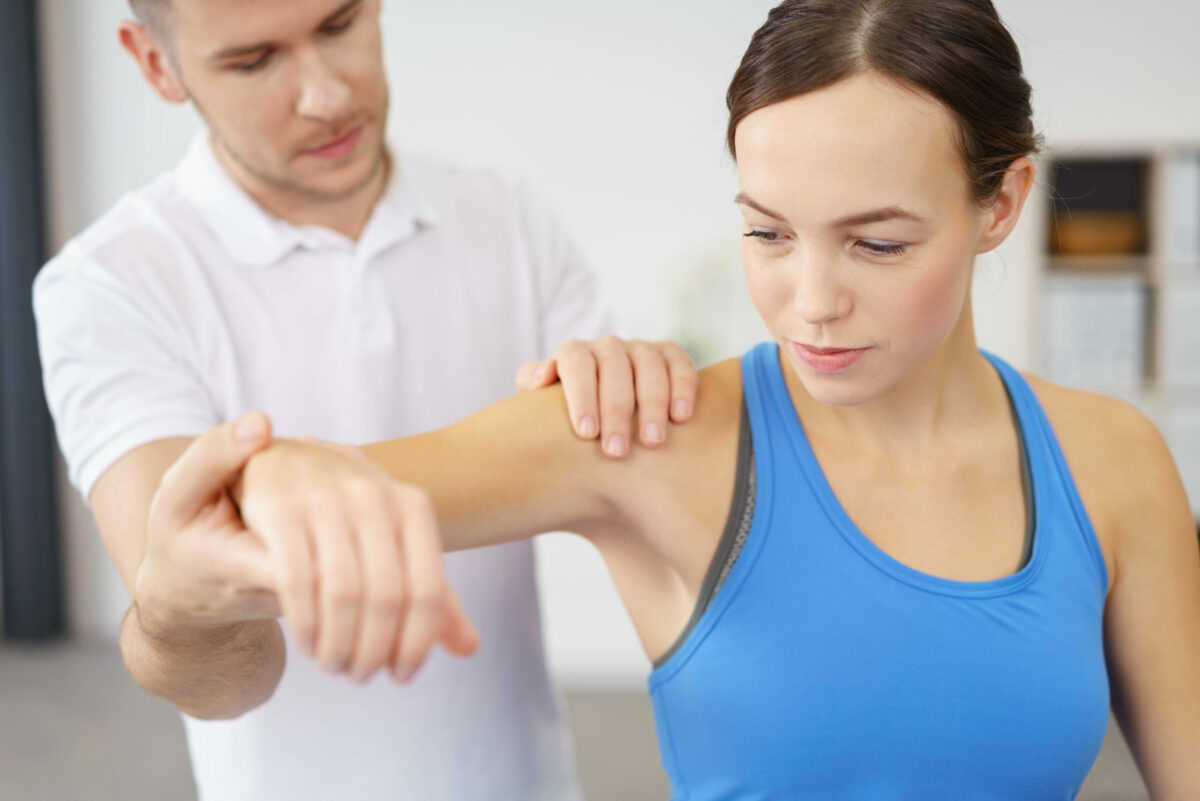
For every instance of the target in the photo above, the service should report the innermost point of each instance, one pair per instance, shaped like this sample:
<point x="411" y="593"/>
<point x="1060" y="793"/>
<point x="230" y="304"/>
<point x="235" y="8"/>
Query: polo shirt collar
<point x="253" y="236"/>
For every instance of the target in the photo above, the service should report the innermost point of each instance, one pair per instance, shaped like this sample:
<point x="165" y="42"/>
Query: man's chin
<point x="346" y="180"/>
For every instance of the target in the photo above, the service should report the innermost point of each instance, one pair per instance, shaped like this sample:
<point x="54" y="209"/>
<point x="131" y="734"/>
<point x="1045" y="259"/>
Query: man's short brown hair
<point x="154" y="14"/>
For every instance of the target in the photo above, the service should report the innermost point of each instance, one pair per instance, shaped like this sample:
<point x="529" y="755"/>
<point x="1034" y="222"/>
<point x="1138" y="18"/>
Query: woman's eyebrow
<point x="880" y="215"/>
<point x="864" y="218"/>
<point x="743" y="199"/>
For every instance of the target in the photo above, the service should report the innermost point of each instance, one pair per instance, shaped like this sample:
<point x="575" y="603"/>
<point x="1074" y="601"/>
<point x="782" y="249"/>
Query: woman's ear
<point x="1002" y="217"/>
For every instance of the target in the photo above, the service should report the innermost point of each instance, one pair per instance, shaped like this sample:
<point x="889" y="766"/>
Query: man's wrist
<point x="168" y="631"/>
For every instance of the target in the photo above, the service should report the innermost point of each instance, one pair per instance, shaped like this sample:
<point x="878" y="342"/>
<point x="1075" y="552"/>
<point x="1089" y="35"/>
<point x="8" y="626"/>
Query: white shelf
<point x="1169" y="272"/>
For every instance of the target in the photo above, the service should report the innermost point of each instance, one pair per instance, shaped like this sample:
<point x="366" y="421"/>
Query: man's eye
<point x="338" y="27"/>
<point x="256" y="64"/>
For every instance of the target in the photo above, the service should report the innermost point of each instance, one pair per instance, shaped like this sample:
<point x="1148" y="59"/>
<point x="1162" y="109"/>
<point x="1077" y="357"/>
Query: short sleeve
<point x="570" y="301"/>
<point x="117" y="371"/>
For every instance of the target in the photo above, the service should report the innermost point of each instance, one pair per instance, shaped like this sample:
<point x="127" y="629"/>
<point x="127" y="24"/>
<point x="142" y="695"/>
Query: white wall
<point x="614" y="111"/>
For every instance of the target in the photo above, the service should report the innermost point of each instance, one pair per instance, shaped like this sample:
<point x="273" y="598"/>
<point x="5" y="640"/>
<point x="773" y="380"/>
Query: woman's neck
<point x="952" y="393"/>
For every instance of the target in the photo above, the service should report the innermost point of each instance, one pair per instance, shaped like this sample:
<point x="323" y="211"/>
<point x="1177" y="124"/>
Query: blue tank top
<point x="825" y="669"/>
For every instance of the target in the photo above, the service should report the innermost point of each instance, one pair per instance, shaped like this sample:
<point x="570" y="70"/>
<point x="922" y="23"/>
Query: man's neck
<point x="348" y="215"/>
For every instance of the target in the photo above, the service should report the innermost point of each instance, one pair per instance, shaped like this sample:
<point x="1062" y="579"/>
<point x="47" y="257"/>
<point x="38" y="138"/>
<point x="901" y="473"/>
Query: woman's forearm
<point x="507" y="472"/>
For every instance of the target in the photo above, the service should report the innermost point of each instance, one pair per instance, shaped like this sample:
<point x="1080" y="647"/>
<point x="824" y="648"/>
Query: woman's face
<point x="860" y="233"/>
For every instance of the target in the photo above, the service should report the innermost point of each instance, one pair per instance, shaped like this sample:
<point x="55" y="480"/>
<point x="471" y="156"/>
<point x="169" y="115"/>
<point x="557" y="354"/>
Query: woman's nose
<point x="820" y="295"/>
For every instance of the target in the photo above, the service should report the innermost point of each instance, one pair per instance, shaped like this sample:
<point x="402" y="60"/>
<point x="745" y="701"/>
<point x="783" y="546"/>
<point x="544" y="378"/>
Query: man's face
<point x="293" y="91"/>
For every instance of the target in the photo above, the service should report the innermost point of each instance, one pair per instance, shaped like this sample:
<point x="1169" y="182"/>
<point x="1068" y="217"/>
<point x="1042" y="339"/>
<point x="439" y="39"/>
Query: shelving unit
<point x="1120" y="284"/>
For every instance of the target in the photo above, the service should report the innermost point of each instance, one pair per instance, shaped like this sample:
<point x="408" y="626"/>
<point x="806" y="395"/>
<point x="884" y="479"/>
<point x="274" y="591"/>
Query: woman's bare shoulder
<point x="1122" y="467"/>
<point x="1090" y="417"/>
<point x="721" y="385"/>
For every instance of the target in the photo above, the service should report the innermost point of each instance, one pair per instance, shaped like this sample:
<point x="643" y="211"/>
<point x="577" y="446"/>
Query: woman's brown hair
<point x="956" y="51"/>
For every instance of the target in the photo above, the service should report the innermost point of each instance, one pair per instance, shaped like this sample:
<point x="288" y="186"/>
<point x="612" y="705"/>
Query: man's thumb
<point x="210" y="464"/>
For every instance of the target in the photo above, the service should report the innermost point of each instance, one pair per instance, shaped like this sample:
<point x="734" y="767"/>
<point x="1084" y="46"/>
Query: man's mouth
<point x="338" y="147"/>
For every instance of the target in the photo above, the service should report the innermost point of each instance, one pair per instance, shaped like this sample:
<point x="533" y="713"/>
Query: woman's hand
<point x="357" y="559"/>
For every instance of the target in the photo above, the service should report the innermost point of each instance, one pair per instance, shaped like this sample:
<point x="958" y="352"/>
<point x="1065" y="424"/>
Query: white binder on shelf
<point x="1183" y="208"/>
<point x="1181" y="336"/>
<point x="1096" y="331"/>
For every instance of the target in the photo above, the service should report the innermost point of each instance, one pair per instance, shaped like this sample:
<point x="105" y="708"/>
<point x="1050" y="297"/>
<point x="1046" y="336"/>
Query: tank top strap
<point x="759" y="365"/>
<point x="1052" y="476"/>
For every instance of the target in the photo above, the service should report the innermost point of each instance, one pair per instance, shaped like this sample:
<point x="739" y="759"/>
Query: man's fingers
<point x="210" y="464"/>
<point x="535" y="375"/>
<point x="617" y="400"/>
<point x="576" y="368"/>
<point x="653" y="390"/>
<point x="236" y="555"/>
<point x="685" y="380"/>
<point x="426" y="582"/>
<point x="384" y="583"/>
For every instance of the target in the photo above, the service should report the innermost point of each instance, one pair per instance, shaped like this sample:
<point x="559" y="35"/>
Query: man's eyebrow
<point x="865" y="218"/>
<point x="245" y="50"/>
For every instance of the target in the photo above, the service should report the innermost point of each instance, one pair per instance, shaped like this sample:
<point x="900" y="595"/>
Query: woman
<point x="878" y="563"/>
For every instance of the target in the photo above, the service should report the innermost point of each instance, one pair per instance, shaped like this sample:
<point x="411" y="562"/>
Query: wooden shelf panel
<point x="1101" y="266"/>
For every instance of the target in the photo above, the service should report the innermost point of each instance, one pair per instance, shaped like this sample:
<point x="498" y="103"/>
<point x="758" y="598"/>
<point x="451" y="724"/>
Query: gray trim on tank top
<point x="741" y="515"/>
<point x="737" y="526"/>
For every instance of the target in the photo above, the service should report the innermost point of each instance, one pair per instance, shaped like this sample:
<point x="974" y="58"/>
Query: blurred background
<point x="615" y="113"/>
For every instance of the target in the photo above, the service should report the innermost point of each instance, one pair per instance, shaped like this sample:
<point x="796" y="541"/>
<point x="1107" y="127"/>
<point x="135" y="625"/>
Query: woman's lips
<point x="338" y="148"/>
<point x="828" y="360"/>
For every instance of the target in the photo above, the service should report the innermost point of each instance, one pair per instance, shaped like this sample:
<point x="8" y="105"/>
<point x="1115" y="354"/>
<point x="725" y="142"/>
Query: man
<point x="292" y="263"/>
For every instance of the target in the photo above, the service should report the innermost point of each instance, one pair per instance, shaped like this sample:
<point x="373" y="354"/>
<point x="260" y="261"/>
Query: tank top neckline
<point x="872" y="553"/>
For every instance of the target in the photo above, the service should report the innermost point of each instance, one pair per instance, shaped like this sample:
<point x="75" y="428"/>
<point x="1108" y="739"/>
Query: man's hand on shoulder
<point x="610" y="379"/>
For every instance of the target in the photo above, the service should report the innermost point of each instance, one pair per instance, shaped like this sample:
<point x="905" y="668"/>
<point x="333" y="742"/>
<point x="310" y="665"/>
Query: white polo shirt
<point x="187" y="305"/>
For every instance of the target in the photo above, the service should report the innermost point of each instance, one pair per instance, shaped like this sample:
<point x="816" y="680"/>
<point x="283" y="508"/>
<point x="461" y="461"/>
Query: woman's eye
<point x="882" y="248"/>
<point x="766" y="236"/>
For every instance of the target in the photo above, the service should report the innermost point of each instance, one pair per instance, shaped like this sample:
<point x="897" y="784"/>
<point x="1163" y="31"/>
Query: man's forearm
<point x="212" y="674"/>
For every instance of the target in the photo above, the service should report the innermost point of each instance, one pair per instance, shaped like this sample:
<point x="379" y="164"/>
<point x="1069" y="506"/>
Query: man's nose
<point x="324" y="96"/>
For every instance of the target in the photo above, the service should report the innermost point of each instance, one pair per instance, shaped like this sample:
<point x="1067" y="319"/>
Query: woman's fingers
<point x="288" y="541"/>
<point x="356" y="558"/>
<point x="426" y="592"/>
<point x="458" y="635"/>
<point x="340" y="586"/>
<point x="384" y="586"/>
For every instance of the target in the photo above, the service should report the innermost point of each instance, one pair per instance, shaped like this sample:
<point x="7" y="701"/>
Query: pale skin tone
<point x="922" y="412"/>
<point x="277" y="81"/>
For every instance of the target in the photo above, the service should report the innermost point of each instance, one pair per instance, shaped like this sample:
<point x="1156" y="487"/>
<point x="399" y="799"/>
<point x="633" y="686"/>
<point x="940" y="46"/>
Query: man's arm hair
<point x="204" y="672"/>
<point x="211" y="674"/>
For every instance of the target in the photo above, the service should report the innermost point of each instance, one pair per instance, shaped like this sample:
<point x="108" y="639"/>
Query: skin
<point x="275" y="79"/>
<point x="919" y="413"/>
